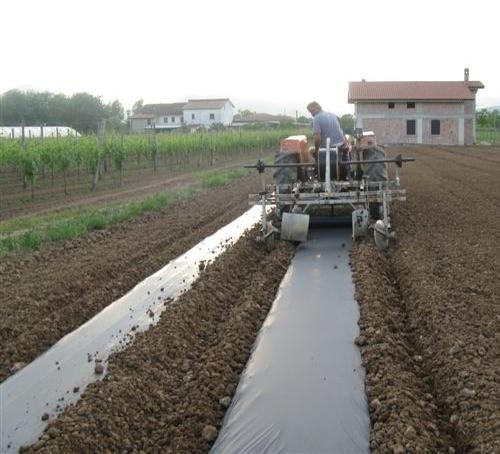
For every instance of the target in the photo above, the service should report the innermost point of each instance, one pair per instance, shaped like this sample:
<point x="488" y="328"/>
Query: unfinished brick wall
<point x="389" y="130"/>
<point x="389" y="124"/>
<point x="448" y="134"/>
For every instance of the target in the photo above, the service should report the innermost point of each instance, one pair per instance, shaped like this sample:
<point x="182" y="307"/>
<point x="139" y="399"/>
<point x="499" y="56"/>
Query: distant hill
<point x="491" y="109"/>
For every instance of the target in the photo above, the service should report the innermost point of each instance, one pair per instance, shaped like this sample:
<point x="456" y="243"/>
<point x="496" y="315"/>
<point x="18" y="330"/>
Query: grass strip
<point x="220" y="178"/>
<point x="88" y="220"/>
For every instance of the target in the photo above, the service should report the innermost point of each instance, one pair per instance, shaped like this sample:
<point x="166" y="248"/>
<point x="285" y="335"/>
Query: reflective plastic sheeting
<point x="302" y="390"/>
<point x="46" y="384"/>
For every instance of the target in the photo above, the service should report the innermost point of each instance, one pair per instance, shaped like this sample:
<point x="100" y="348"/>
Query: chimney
<point x="466" y="75"/>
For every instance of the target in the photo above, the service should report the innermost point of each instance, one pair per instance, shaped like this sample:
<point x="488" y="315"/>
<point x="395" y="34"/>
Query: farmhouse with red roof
<point x="440" y="113"/>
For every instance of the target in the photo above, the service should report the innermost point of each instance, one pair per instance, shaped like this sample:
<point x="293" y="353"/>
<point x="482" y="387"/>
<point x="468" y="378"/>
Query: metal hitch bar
<point x="260" y="166"/>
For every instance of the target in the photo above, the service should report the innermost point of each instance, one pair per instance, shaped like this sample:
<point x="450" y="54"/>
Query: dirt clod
<point x="428" y="308"/>
<point x="360" y="341"/>
<point x="209" y="433"/>
<point x="17" y="366"/>
<point x="410" y="433"/>
<point x="225" y="401"/>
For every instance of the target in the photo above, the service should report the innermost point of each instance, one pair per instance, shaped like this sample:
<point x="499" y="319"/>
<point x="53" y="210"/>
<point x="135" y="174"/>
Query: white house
<point x="195" y="113"/>
<point x="206" y="112"/>
<point x="158" y="116"/>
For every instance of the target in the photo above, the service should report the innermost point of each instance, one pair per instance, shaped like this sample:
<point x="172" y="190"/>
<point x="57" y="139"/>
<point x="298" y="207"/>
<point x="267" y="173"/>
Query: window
<point x="173" y="119"/>
<point x="165" y="119"/>
<point x="410" y="105"/>
<point x="149" y="122"/>
<point x="192" y="116"/>
<point x="410" y="127"/>
<point x="435" y="127"/>
<point x="212" y="116"/>
<point x="390" y="105"/>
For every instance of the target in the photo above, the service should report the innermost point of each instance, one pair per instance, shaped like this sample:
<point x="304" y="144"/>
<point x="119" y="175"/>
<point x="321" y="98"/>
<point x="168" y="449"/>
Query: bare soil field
<point x="51" y="292"/>
<point x="429" y="323"/>
<point x="430" y="314"/>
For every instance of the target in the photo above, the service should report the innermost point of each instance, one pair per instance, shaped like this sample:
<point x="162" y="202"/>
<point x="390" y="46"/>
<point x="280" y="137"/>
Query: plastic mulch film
<point x="302" y="390"/>
<point x="46" y="385"/>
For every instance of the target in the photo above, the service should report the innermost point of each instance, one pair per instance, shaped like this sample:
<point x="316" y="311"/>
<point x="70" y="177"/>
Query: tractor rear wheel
<point x="285" y="175"/>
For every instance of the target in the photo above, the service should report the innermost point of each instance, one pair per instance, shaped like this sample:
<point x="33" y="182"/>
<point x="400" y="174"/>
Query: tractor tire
<point x="285" y="175"/>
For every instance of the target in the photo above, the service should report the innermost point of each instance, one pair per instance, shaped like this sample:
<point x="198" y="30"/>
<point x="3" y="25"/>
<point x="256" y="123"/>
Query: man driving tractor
<point x="326" y="125"/>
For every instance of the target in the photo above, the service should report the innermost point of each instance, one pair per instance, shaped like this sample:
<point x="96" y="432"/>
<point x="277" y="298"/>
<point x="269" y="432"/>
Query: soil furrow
<point x="50" y="293"/>
<point x="475" y="154"/>
<point x="403" y="410"/>
<point x="430" y="316"/>
<point x="168" y="391"/>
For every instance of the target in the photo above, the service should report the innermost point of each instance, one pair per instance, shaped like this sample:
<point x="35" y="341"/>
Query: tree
<point x="85" y="112"/>
<point x="137" y="105"/>
<point x="482" y="118"/>
<point x="245" y="113"/>
<point x="488" y="118"/>
<point x="347" y="123"/>
<point x="37" y="107"/>
<point x="13" y="109"/>
<point x="115" y="115"/>
<point x="82" y="111"/>
<point x="217" y="127"/>
<point x="58" y="110"/>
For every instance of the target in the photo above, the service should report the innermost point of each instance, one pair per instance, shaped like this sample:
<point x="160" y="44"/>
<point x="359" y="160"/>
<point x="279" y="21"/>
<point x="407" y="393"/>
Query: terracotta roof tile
<point x="140" y="116"/>
<point x="174" y="108"/>
<point x="411" y="91"/>
<point x="200" y="104"/>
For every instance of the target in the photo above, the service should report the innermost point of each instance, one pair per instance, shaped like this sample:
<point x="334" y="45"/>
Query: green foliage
<point x="489" y="135"/>
<point x="66" y="230"/>
<point x="137" y="105"/>
<point x="220" y="178"/>
<point x="70" y="154"/>
<point x="217" y="127"/>
<point x="245" y="113"/>
<point x="155" y="202"/>
<point x="30" y="241"/>
<point x="115" y="149"/>
<point x="7" y="245"/>
<point x="488" y="118"/>
<point x="115" y="115"/>
<point x="81" y="111"/>
<point x="28" y="164"/>
<point x="84" y="221"/>
<point x="347" y="123"/>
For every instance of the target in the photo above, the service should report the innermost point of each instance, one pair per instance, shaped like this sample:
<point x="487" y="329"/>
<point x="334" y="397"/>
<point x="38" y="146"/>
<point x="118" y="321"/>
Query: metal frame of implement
<point x="293" y="201"/>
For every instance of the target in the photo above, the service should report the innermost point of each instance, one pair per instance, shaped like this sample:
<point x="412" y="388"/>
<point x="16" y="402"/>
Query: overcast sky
<point x="265" y="55"/>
